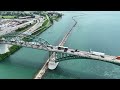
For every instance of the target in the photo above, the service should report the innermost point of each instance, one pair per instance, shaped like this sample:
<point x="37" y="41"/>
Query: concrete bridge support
<point x="52" y="64"/>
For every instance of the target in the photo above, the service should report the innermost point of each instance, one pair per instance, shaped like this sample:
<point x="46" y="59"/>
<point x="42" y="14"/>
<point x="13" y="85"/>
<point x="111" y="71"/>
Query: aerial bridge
<point x="56" y="53"/>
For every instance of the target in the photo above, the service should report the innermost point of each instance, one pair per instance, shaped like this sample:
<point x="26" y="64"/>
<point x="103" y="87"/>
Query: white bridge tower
<point x="52" y="64"/>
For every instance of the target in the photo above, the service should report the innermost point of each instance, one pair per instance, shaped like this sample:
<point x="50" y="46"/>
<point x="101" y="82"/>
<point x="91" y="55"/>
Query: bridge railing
<point x="32" y="39"/>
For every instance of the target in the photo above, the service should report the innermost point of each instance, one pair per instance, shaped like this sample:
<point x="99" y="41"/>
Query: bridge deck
<point x="80" y="53"/>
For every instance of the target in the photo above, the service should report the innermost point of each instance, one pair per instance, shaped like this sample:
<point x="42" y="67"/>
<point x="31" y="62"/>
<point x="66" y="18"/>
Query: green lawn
<point x="7" y="17"/>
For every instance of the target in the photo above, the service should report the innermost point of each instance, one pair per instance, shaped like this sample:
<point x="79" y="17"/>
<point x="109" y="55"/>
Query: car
<point x="50" y="46"/>
<point x="76" y="50"/>
<point x="102" y="56"/>
<point x="65" y="49"/>
<point x="73" y="51"/>
<point x="60" y="47"/>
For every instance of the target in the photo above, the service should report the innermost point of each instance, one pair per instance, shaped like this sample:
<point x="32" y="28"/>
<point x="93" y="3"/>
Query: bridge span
<point x="57" y="53"/>
<point x="62" y="52"/>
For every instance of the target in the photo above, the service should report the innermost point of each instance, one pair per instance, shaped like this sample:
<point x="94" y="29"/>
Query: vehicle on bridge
<point x="62" y="48"/>
<point x="72" y="51"/>
<point x="76" y="50"/>
<point x="65" y="49"/>
<point x="118" y="57"/>
<point x="50" y="46"/>
<point x="102" y="56"/>
<point x="97" y="53"/>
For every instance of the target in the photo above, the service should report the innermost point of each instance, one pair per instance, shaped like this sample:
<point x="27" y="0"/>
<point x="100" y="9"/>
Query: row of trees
<point x="16" y="13"/>
<point x="14" y="48"/>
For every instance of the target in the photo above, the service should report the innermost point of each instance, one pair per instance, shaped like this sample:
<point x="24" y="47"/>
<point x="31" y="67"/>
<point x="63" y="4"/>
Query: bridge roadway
<point x="35" y="45"/>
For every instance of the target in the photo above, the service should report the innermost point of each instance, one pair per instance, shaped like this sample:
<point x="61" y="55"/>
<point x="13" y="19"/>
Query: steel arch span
<point x="58" y="54"/>
<point x="27" y="40"/>
<point x="64" y="57"/>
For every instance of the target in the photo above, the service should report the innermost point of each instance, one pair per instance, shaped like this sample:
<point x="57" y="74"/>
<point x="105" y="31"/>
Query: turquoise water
<point x="26" y="62"/>
<point x="98" y="31"/>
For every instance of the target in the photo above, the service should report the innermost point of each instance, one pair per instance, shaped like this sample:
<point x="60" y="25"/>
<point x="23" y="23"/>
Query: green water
<point x="100" y="32"/>
<point x="96" y="30"/>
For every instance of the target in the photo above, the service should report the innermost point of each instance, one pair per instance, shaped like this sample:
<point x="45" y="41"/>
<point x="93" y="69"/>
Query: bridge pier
<point x="52" y="64"/>
<point x="4" y="48"/>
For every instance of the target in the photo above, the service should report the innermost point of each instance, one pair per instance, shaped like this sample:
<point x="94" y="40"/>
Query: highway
<point x="39" y="22"/>
<point x="85" y="54"/>
<point x="13" y="29"/>
<point x="35" y="27"/>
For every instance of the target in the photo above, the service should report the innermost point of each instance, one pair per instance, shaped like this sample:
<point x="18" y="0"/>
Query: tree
<point x="51" y="20"/>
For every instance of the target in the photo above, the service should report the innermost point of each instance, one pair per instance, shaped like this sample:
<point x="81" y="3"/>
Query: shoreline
<point x="16" y="48"/>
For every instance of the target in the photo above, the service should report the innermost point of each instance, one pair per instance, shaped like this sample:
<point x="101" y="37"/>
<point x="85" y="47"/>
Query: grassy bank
<point x="44" y="27"/>
<point x="44" y="24"/>
<point x="47" y="23"/>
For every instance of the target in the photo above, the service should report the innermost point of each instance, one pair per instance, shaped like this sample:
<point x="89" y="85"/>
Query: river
<point x="96" y="30"/>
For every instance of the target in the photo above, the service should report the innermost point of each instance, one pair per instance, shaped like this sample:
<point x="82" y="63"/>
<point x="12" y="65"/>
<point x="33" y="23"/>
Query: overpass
<point x="61" y="53"/>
